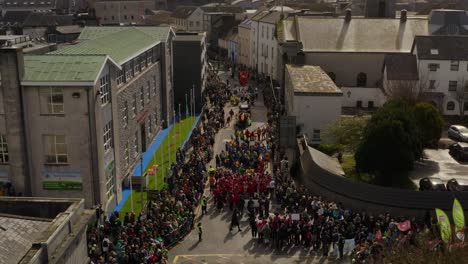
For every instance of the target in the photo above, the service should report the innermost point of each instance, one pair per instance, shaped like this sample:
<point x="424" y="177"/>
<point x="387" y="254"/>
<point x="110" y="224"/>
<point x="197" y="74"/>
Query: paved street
<point x="221" y="246"/>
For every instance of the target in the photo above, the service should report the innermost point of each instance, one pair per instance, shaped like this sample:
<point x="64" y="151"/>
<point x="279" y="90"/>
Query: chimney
<point x="348" y="15"/>
<point x="403" y="16"/>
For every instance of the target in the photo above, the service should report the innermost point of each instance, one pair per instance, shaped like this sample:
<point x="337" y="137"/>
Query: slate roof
<point x="307" y="79"/>
<point x="319" y="34"/>
<point x="15" y="16"/>
<point x="448" y="47"/>
<point x="259" y="15"/>
<point x="401" y="67"/>
<point x="449" y="22"/>
<point x="183" y="11"/>
<point x="271" y="18"/>
<point x="47" y="19"/>
<point x="50" y="68"/>
<point x="217" y="8"/>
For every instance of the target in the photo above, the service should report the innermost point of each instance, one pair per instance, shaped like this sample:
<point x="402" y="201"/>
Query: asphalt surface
<point x="219" y="245"/>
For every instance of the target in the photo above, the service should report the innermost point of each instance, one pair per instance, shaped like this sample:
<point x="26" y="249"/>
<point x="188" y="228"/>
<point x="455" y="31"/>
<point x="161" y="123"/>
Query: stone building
<point x="74" y="122"/>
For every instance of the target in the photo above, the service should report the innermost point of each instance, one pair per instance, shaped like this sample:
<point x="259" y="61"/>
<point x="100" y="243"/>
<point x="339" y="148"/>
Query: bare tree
<point x="461" y="95"/>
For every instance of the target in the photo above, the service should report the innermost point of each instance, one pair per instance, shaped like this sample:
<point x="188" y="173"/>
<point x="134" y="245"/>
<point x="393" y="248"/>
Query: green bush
<point x="330" y="149"/>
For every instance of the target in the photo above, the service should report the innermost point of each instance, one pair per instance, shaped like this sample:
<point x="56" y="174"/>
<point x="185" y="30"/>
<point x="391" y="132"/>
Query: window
<point x="125" y="16"/>
<point x="125" y="114"/>
<point x="135" y="144"/>
<point x="107" y="136"/>
<point x="126" y="154"/>
<point x="128" y="71"/>
<point x="134" y="105"/>
<point x="142" y="97"/>
<point x="3" y="149"/>
<point x="450" y="106"/>
<point x="452" y="86"/>
<point x="434" y="66"/>
<point x="432" y="84"/>
<point x="136" y="66"/>
<point x="370" y="104"/>
<point x="119" y="77"/>
<point x="268" y="34"/>
<point x="53" y="98"/>
<point x="104" y="88"/>
<point x="316" y="135"/>
<point x="131" y="17"/>
<point x="112" y="17"/>
<point x="149" y="57"/>
<point x="55" y="149"/>
<point x="454" y="65"/>
<point x="110" y="179"/>
<point x="466" y="86"/>
<point x="148" y="92"/>
<point x="361" y="80"/>
<point x="273" y="33"/>
<point x="143" y="61"/>
<point x="198" y="23"/>
<point x="150" y="125"/>
<point x="191" y="23"/>
<point x="154" y="85"/>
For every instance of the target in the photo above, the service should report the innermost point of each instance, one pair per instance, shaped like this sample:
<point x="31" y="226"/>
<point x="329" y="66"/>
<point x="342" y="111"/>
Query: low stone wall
<point x="327" y="183"/>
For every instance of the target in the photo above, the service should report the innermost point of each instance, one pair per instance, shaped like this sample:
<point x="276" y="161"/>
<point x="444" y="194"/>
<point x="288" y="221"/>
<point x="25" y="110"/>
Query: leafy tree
<point x="429" y="122"/>
<point x="390" y="144"/>
<point x="348" y="131"/>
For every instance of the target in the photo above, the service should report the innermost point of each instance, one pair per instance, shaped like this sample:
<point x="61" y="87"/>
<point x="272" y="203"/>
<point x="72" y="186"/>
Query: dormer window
<point x="434" y="52"/>
<point x="434" y="66"/>
<point x="454" y="65"/>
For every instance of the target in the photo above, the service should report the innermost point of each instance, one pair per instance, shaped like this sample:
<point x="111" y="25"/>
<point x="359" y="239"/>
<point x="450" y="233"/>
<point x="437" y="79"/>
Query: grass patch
<point x="167" y="153"/>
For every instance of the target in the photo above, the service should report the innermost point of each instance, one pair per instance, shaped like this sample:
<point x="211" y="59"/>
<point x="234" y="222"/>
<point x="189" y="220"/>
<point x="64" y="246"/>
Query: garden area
<point x="163" y="158"/>
<point x="381" y="149"/>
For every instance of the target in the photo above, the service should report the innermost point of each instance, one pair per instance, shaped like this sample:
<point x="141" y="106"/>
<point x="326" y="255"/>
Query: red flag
<point x="243" y="78"/>
<point x="404" y="226"/>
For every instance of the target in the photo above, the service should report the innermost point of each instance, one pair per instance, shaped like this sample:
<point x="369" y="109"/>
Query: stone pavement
<point x="17" y="236"/>
<point x="221" y="246"/>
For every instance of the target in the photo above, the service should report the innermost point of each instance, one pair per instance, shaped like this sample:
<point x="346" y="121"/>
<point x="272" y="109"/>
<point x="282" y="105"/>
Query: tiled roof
<point x="401" y="67"/>
<point x="442" y="47"/>
<point x="120" y="45"/>
<point x="319" y="34"/>
<point x="15" y="16"/>
<point x="56" y="68"/>
<point x="307" y="79"/>
<point x="183" y="11"/>
<point x="271" y="18"/>
<point x="48" y="19"/>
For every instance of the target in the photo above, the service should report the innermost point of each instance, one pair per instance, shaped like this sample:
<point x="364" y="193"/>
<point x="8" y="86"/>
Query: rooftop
<point x="307" y="79"/>
<point x="183" y="11"/>
<point x="442" y="47"/>
<point x="401" y="67"/>
<point x="319" y="34"/>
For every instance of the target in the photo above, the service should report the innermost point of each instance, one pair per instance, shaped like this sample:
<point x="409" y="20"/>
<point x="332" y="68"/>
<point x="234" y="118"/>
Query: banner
<point x="444" y="224"/>
<point x="243" y="78"/>
<point x="458" y="219"/>
<point x="62" y="181"/>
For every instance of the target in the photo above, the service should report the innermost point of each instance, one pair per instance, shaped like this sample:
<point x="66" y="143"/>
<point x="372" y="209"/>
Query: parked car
<point x="458" y="132"/>
<point x="431" y="184"/>
<point x="457" y="185"/>
<point x="459" y="151"/>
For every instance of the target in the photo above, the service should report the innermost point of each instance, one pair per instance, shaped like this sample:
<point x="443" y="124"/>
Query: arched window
<point x="332" y="76"/>
<point x="450" y="106"/>
<point x="361" y="80"/>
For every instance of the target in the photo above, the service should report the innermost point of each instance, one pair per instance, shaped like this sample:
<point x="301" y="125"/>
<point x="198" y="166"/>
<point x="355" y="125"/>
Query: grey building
<point x="190" y="64"/>
<point x="75" y="121"/>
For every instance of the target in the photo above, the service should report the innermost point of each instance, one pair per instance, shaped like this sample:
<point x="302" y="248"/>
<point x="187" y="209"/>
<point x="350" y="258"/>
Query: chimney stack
<point x="403" y="15"/>
<point x="348" y="15"/>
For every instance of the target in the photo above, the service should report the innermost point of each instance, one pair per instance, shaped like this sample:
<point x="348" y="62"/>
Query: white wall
<point x="442" y="77"/>
<point x="353" y="94"/>
<point x="193" y="19"/>
<point x="268" y="49"/>
<point x="254" y="44"/>
<point x="316" y="112"/>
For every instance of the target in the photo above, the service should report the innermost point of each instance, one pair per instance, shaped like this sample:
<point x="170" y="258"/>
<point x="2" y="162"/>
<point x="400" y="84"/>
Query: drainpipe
<point x="92" y="145"/>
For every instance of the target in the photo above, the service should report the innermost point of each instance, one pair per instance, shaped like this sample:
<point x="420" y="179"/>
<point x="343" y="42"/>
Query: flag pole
<point x="162" y="154"/>
<point x="180" y="126"/>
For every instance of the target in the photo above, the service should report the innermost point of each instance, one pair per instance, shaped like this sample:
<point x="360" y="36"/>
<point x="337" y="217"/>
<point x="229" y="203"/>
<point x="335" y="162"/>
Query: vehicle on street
<point x="459" y="151"/>
<point x="457" y="185"/>
<point x="431" y="184"/>
<point x="458" y="132"/>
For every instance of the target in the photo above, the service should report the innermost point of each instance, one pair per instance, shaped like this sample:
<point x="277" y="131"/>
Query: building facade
<point x="313" y="98"/>
<point x="190" y="70"/>
<point x="244" y="43"/>
<point x="94" y="110"/>
<point x="123" y="12"/>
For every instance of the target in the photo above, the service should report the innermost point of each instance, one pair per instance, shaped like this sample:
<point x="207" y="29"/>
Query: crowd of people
<point x="302" y="219"/>
<point x="144" y="237"/>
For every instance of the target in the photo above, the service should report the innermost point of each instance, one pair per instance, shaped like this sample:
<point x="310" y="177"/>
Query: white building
<point x="313" y="98"/>
<point x="264" y="42"/>
<point x="443" y="70"/>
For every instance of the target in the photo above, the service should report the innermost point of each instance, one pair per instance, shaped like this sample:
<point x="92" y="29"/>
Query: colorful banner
<point x="62" y="181"/>
<point x="444" y="224"/>
<point x="458" y="219"/>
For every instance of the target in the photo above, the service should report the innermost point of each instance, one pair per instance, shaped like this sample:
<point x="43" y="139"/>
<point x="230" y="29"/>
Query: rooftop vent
<point x="403" y="15"/>
<point x="434" y="52"/>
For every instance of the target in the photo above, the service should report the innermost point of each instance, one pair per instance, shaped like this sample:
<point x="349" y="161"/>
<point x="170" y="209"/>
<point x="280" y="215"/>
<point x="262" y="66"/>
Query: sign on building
<point x="287" y="131"/>
<point x="62" y="180"/>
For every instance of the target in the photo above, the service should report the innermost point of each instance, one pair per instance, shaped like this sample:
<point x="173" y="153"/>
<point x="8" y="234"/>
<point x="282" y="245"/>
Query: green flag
<point x="444" y="224"/>
<point x="458" y="217"/>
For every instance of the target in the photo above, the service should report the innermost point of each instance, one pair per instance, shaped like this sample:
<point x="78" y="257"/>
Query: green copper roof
<point x="83" y="61"/>
<point x="53" y="68"/>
